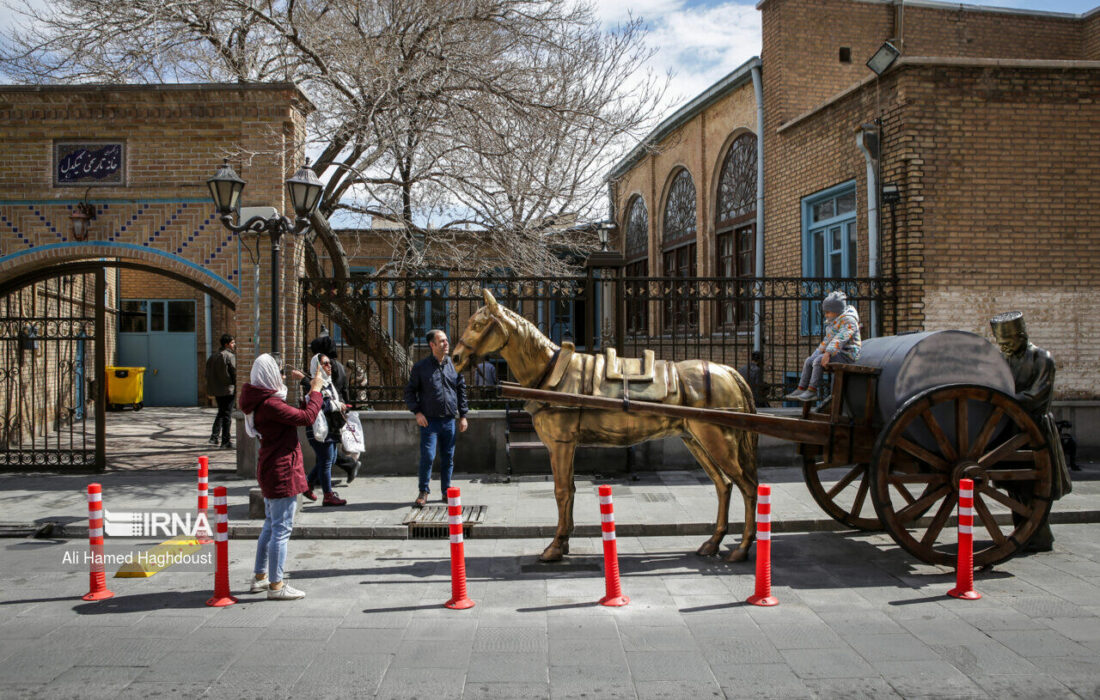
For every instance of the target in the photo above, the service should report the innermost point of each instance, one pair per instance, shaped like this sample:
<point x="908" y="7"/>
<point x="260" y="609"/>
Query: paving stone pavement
<point x="857" y="618"/>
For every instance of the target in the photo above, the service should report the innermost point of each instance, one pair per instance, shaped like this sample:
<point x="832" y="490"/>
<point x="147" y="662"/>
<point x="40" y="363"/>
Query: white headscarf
<point x="265" y="375"/>
<point x="328" y="388"/>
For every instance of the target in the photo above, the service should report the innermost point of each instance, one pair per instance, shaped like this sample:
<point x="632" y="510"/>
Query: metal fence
<point x="723" y="320"/>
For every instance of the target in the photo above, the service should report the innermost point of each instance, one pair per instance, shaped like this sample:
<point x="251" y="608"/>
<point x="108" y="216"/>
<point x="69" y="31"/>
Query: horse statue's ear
<point x="490" y="301"/>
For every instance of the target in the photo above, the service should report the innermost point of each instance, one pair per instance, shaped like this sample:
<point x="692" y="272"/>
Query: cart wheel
<point x="138" y="406"/>
<point x="953" y="432"/>
<point x="846" y="500"/>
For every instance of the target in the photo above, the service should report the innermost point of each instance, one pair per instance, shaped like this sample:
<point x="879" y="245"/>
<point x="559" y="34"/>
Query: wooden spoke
<point x="1005" y="501"/>
<point x="922" y="454"/>
<point x="986" y="433"/>
<point x="909" y="498"/>
<point x="987" y="519"/>
<point x="946" y="447"/>
<point x="916" y="508"/>
<point x="848" y="478"/>
<point x="861" y="495"/>
<point x="1012" y="474"/>
<point x="1003" y="450"/>
<point x="938" y="521"/>
<point x="962" y="425"/>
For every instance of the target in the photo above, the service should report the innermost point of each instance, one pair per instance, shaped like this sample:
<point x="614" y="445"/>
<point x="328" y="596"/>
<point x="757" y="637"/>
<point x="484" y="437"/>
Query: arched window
<point x="637" y="265"/>
<point x="735" y="229"/>
<point x="678" y="252"/>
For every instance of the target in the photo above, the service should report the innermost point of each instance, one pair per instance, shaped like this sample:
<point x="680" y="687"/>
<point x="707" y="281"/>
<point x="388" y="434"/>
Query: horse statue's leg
<point x="722" y="486"/>
<point x="733" y="455"/>
<point x="561" y="463"/>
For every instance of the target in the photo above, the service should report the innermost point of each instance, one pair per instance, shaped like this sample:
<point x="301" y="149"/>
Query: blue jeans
<point x="271" y="547"/>
<point x="322" y="469"/>
<point x="441" y="431"/>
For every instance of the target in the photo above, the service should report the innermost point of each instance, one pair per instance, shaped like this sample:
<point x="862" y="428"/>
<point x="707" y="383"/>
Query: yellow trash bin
<point x="125" y="387"/>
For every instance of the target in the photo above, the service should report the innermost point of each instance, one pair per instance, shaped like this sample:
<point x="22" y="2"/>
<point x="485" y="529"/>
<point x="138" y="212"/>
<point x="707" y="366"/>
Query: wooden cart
<point x="886" y="451"/>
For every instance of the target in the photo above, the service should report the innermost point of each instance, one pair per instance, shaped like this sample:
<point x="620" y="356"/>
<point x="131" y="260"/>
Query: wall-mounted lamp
<point x="83" y="212"/>
<point x="883" y="58"/>
<point x="891" y="194"/>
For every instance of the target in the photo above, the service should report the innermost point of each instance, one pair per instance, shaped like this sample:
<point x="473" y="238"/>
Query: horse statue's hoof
<point x="550" y="554"/>
<point x="738" y="555"/>
<point x="709" y="549"/>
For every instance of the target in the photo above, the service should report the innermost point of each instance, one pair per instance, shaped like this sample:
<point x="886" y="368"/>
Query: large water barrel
<point x="915" y="362"/>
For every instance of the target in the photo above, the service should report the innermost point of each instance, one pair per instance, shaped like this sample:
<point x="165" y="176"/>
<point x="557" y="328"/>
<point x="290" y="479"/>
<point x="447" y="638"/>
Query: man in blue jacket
<point x="436" y="393"/>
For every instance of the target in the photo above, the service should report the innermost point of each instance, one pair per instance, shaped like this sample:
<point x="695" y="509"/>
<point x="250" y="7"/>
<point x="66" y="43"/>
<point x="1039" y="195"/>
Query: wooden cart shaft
<point x="846" y="442"/>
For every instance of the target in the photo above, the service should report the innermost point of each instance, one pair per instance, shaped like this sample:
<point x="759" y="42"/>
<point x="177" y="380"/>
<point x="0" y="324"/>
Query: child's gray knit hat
<point x="835" y="302"/>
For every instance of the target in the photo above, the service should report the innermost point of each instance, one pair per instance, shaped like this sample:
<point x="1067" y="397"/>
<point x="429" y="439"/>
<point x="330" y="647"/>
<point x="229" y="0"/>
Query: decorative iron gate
<point x="49" y="350"/>
<point x="764" y="327"/>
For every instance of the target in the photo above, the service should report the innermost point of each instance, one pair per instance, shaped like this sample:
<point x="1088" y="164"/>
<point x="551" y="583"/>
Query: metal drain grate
<point x="430" y="522"/>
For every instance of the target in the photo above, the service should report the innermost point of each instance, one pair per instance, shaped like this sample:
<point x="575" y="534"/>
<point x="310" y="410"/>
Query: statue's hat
<point x="1010" y="322"/>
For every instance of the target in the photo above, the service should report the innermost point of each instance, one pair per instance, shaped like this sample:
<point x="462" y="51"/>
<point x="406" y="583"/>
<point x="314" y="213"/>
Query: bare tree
<point x="470" y="123"/>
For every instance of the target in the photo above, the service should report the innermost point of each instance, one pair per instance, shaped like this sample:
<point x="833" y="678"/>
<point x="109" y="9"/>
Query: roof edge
<point x="955" y="6"/>
<point x="918" y="61"/>
<point x="734" y="79"/>
<point x="168" y="87"/>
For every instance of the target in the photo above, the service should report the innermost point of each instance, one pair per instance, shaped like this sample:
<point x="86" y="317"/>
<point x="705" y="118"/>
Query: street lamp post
<point x="305" y="192"/>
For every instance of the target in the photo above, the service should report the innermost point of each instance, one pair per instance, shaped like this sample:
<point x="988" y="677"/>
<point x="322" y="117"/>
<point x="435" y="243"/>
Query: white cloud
<point x="697" y="44"/>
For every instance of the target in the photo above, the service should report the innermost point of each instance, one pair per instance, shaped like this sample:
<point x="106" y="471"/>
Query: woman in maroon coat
<point x="274" y="422"/>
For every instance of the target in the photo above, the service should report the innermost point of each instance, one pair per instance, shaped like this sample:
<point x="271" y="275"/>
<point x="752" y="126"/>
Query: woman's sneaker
<point x="287" y="592"/>
<point x="263" y="584"/>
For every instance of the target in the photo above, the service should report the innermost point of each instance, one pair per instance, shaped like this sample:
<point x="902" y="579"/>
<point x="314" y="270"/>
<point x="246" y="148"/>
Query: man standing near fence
<point x="221" y="383"/>
<point x="436" y="393"/>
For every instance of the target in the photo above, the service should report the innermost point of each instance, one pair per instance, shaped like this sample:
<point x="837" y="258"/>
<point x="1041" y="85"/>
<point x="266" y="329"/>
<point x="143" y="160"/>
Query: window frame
<point x="847" y="224"/>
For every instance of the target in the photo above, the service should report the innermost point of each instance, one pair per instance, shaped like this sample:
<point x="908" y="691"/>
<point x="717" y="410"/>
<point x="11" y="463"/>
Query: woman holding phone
<point x="325" y="450"/>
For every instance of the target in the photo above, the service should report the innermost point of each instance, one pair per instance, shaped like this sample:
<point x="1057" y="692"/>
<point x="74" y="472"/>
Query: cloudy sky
<point x="702" y="40"/>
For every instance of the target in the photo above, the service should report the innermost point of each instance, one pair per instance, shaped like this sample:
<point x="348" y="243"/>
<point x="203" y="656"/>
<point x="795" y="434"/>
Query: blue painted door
<point x="159" y="334"/>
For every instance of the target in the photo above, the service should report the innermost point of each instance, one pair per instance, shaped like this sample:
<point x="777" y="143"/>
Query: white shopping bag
<point x="351" y="435"/>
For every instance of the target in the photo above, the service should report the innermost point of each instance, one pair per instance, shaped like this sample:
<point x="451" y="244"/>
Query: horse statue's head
<point x="487" y="331"/>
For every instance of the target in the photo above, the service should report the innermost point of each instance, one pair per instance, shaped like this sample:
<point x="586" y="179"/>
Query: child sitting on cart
<point x="841" y="342"/>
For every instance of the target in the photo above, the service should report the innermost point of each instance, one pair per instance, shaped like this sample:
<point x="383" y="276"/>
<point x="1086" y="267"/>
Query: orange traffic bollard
<point x="613" y="592"/>
<point x="222" y="596"/>
<point x="97" y="589"/>
<point x="763" y="595"/>
<point x="459" y="599"/>
<point x="964" y="567"/>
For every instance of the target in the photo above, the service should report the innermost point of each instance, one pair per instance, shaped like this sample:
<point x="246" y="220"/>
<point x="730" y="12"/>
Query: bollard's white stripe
<point x="764" y="499"/>
<point x="965" y="529"/>
<point x="453" y="501"/>
<point x="454" y="519"/>
<point x="966" y="493"/>
<point x="966" y="510"/>
<point x="95" y="532"/>
<point x="204" y="480"/>
<point x="763" y="534"/>
<point x="222" y="518"/>
<point x="456" y="539"/>
<point x="607" y="517"/>
<point x="221" y="501"/>
<point x="95" y="497"/>
<point x="609" y="536"/>
<point x="763" y="517"/>
<point x="221" y="536"/>
<point x="605" y="500"/>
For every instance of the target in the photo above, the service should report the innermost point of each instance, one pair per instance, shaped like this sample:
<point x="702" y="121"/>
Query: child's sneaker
<point x="285" y="593"/>
<point x="795" y="395"/>
<point x="808" y="395"/>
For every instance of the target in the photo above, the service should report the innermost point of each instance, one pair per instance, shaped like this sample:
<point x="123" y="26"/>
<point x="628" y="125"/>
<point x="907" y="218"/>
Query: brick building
<point x="137" y="158"/>
<point x="987" y="128"/>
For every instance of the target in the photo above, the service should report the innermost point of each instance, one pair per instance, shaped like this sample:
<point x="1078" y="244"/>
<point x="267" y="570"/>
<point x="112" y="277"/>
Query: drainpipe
<point x="207" y="315"/>
<point x="758" y="305"/>
<point x="867" y="139"/>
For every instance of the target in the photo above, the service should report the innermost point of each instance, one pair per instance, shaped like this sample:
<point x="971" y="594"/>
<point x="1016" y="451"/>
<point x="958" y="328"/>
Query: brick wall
<point x="1091" y="41"/>
<point x="997" y="168"/>
<point x="802" y="41"/>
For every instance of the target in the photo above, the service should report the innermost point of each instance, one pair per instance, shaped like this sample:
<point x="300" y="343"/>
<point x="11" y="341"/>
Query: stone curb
<point x="490" y="531"/>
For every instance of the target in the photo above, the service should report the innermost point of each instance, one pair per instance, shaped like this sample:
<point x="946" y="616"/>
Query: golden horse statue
<point x="728" y="456"/>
